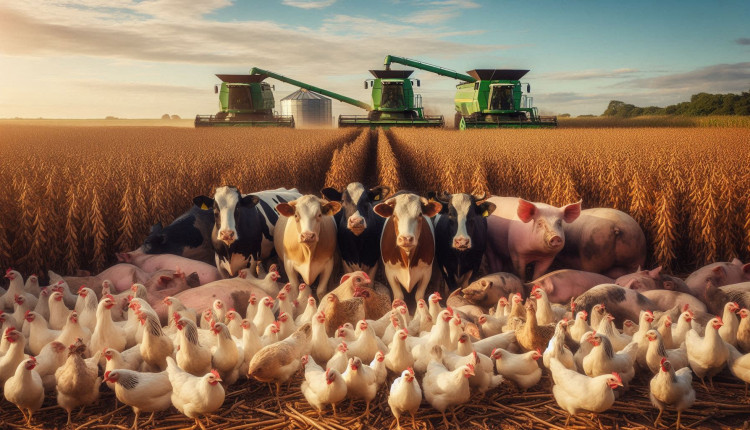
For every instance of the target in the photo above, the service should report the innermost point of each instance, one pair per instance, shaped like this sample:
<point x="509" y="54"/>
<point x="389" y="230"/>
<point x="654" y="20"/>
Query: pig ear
<point x="249" y="201"/>
<point x="164" y="279"/>
<point x="331" y="194"/>
<point x="486" y="208"/>
<point x="669" y="285"/>
<point x="385" y="209"/>
<point x="193" y="280"/>
<point x="719" y="271"/>
<point x="526" y="210"/>
<point x="123" y="257"/>
<point x="378" y="193"/>
<point x="572" y="211"/>
<point x="286" y="209"/>
<point x="330" y="208"/>
<point x="179" y="273"/>
<point x="204" y="202"/>
<point x="655" y="272"/>
<point x="431" y="208"/>
<point x="746" y="270"/>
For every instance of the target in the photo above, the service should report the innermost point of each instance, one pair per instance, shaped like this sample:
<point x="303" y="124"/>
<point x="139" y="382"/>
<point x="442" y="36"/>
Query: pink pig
<point x="521" y="232"/>
<point x="151" y="263"/>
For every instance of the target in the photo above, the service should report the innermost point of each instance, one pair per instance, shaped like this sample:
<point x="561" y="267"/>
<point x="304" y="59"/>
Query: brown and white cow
<point x="305" y="240"/>
<point x="407" y="243"/>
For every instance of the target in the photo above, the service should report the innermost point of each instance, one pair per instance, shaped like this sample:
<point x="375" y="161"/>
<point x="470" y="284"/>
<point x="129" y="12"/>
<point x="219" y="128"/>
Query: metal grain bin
<point x="308" y="108"/>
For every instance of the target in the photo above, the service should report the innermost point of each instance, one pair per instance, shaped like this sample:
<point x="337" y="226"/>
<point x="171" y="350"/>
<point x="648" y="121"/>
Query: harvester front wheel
<point x="457" y="120"/>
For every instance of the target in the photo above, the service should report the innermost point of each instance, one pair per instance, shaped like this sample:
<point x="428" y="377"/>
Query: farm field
<point x="76" y="195"/>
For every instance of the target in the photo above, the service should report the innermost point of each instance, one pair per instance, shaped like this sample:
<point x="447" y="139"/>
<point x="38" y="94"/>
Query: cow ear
<point x="330" y="208"/>
<point x="526" y="210"/>
<point x="385" y="209"/>
<point x="156" y="228"/>
<point x="331" y="194"/>
<point x="572" y="211"/>
<point x="430" y="209"/>
<point x="249" y="201"/>
<point x="486" y="208"/>
<point x="286" y="209"/>
<point x="432" y="195"/>
<point x="204" y="202"/>
<point x="379" y="193"/>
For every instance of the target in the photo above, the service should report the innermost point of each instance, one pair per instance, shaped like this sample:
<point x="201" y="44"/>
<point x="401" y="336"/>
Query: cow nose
<point x="226" y="235"/>
<point x="308" y="237"/>
<point x="462" y="242"/>
<point x="555" y="241"/>
<point x="356" y="222"/>
<point x="406" y="240"/>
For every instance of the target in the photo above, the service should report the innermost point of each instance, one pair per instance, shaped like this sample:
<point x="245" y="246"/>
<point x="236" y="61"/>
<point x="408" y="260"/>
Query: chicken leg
<point x="658" y="418"/>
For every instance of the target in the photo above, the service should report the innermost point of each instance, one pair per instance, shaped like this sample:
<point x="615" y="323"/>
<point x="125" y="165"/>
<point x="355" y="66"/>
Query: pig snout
<point x="462" y="243"/>
<point x="555" y="241"/>
<point x="308" y="237"/>
<point x="406" y="241"/>
<point x="356" y="223"/>
<point x="226" y="236"/>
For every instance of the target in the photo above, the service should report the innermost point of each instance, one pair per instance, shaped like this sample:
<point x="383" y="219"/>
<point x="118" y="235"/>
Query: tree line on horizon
<point x="701" y="104"/>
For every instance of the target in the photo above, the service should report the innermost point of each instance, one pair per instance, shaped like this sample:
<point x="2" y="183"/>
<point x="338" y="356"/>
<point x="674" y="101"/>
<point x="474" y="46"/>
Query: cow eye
<point x="320" y="215"/>
<point x="559" y="222"/>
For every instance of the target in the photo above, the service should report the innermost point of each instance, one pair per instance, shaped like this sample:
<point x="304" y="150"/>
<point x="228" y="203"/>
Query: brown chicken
<point x="347" y="285"/>
<point x="532" y="336"/>
<point x="279" y="361"/>
<point x="376" y="304"/>
<point x="77" y="381"/>
<point x="338" y="312"/>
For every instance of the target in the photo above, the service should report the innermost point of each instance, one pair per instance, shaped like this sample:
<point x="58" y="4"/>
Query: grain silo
<point x="308" y="108"/>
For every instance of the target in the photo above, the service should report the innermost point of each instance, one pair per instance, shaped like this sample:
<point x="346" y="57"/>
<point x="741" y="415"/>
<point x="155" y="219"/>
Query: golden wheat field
<point x="73" y="196"/>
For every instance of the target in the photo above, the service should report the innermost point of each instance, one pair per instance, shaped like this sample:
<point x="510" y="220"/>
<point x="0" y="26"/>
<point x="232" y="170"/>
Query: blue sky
<point x="140" y="59"/>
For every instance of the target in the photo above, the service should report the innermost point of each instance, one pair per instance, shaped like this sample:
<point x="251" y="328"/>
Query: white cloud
<point x="309" y="4"/>
<point x="588" y="74"/>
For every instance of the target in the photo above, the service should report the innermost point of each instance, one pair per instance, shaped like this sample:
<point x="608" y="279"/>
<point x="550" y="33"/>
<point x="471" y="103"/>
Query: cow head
<point x="548" y="221"/>
<point x="356" y="203"/>
<point x="306" y="213"/>
<point x="408" y="212"/>
<point x="466" y="214"/>
<point x="226" y="205"/>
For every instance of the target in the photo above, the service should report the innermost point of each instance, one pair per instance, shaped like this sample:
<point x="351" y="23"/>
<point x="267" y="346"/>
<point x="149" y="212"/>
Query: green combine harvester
<point x="394" y="103"/>
<point x="487" y="98"/>
<point x="245" y="101"/>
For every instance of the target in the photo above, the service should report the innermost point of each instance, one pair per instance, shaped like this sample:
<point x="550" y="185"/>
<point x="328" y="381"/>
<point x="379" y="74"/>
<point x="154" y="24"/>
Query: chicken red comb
<point x="215" y="373"/>
<point x="470" y="366"/>
<point x="365" y="276"/>
<point x="106" y="375"/>
<point x="539" y="350"/>
<point x="450" y="309"/>
<point x="617" y="375"/>
<point x="8" y="330"/>
<point x="720" y="320"/>
<point x="10" y="269"/>
<point x="27" y="313"/>
<point x="410" y="369"/>
<point x="686" y="307"/>
<point x="663" y="359"/>
<point x="536" y="287"/>
<point x="176" y="316"/>
<point x="110" y="296"/>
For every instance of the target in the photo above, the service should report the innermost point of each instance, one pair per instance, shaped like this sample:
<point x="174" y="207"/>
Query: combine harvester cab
<point x="487" y="98"/>
<point x="394" y="103"/>
<point x="245" y="101"/>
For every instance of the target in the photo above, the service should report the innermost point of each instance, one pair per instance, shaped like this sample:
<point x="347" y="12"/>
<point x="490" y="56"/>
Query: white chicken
<point x="603" y="359"/>
<point x="361" y="382"/>
<point x="251" y="344"/>
<point x="484" y="378"/>
<point x="107" y="334"/>
<point x="73" y="330"/>
<point x="77" y="380"/>
<point x="656" y="351"/>
<point x="523" y="369"/>
<point x="234" y="323"/>
<point x="322" y="348"/>
<point x="707" y="355"/>
<point x="557" y="348"/>
<point x="39" y="333"/>
<point x="322" y="387"/>
<point x="15" y="287"/>
<point x="302" y="301"/>
<point x="264" y="314"/>
<point x="739" y="365"/>
<point x="144" y="392"/>
<point x="491" y="325"/>
<point x="679" y="331"/>
<point x="9" y="362"/>
<point x="192" y="395"/>
<point x="87" y="314"/>
<point x="311" y="309"/>
<point x="378" y="365"/>
<point x="445" y="389"/>
<point x="25" y="389"/>
<point x="399" y="357"/>
<point x="252" y="307"/>
<point x="191" y="356"/>
<point x="439" y="335"/>
<point x="671" y="389"/>
<point x="53" y="356"/>
<point x="155" y="346"/>
<point x="607" y="328"/>
<point x="644" y="325"/>
<point x="405" y="396"/>
<point x="58" y="312"/>
<point x="42" y="305"/>
<point x="225" y="356"/>
<point x="286" y="325"/>
<point x="340" y="358"/>
<point x="576" y="393"/>
<point x="665" y="330"/>
<point x="728" y="331"/>
<point x="434" y="308"/>
<point x="545" y="313"/>
<point x="367" y="344"/>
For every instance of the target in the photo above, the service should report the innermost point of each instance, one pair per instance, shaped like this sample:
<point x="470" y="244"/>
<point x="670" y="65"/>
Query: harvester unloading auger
<point x="245" y="101"/>
<point x="393" y="98"/>
<point x="487" y="98"/>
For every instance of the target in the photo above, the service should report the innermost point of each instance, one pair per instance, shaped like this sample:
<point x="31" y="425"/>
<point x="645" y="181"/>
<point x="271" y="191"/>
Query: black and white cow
<point x="460" y="236"/>
<point x="358" y="226"/>
<point x="243" y="225"/>
<point x="188" y="236"/>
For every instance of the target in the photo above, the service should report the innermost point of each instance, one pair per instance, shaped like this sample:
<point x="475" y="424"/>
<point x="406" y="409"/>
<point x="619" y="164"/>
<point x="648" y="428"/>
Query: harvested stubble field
<point x="75" y="195"/>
